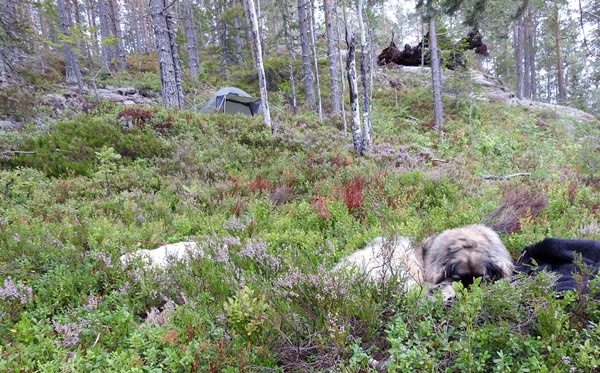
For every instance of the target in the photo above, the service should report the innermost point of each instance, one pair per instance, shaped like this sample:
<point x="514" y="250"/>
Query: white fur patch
<point x="164" y="255"/>
<point x="383" y="258"/>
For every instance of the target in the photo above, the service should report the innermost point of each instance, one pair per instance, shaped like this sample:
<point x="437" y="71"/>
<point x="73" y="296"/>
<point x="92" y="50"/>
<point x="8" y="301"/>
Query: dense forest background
<point x="546" y="51"/>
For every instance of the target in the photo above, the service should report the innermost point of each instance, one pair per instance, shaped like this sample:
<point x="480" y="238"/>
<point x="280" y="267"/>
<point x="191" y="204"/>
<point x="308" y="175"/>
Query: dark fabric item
<point x="559" y="256"/>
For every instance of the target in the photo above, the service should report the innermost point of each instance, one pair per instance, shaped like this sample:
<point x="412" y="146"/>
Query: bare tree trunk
<point x="91" y="16"/>
<point x="363" y="77"/>
<point x="518" y="45"/>
<point x="339" y="47"/>
<point x="72" y="70"/>
<point x="357" y="139"/>
<point x="531" y="51"/>
<point x="168" y="59"/>
<point x="290" y="48"/>
<point x="309" y="90"/>
<point x="117" y="33"/>
<point x="248" y="29"/>
<point x="436" y="74"/>
<point x="331" y="55"/>
<point x="239" y="46"/>
<point x="314" y="50"/>
<point x="562" y="95"/>
<point x="107" y="53"/>
<point x="262" y="81"/>
<point x="527" y="50"/>
<point x="192" y="42"/>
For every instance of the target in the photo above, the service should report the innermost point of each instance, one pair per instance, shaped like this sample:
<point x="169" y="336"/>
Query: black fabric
<point x="559" y="256"/>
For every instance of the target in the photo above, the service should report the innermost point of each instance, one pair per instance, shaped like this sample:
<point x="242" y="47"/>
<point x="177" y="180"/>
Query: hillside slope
<point x="276" y="212"/>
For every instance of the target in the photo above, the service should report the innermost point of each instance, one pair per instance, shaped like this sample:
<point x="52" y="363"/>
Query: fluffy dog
<point x="460" y="254"/>
<point x="463" y="254"/>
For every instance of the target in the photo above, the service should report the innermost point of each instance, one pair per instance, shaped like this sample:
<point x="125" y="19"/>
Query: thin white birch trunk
<point x="314" y="49"/>
<point x="357" y="139"/>
<point x="309" y="90"/>
<point x="331" y="56"/>
<point x="339" y="46"/>
<point x="363" y="77"/>
<point x="262" y="81"/>
<point x="436" y="74"/>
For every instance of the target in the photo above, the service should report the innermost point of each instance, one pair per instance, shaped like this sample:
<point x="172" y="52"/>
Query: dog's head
<point x="464" y="254"/>
<point x="466" y="264"/>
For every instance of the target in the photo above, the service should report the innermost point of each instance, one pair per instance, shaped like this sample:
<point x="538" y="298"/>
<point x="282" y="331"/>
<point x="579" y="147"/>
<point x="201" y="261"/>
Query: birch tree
<point x="332" y="56"/>
<point x="168" y="59"/>
<point x="436" y="72"/>
<point x="262" y="81"/>
<point x="357" y="139"/>
<point x="309" y="90"/>
<point x="315" y="59"/>
<point x="363" y="77"/>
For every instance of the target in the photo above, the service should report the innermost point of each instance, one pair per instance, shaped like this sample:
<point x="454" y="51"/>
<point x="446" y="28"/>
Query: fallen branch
<point x="11" y="152"/>
<point x="505" y="177"/>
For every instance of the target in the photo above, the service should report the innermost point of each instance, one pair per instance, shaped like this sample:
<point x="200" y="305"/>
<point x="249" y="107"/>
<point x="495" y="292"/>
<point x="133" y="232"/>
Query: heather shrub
<point x="70" y="146"/>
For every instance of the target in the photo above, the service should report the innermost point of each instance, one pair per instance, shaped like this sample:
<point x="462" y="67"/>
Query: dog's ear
<point x="493" y="272"/>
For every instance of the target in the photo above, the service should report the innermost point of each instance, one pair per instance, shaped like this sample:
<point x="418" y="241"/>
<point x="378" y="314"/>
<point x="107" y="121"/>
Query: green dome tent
<point x="232" y="100"/>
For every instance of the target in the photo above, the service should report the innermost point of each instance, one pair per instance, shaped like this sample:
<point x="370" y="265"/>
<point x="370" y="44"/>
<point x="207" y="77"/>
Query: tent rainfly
<point x="232" y="100"/>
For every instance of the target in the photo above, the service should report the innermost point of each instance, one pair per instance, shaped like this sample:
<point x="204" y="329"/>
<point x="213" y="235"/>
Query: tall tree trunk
<point x="518" y="45"/>
<point x="528" y="50"/>
<point x="192" y="42"/>
<point x="107" y="51"/>
<point x="168" y="59"/>
<point x="72" y="70"/>
<point x="332" y="56"/>
<point x="309" y="90"/>
<point x="363" y="77"/>
<point x="262" y="81"/>
<point x="314" y="51"/>
<point x="339" y="50"/>
<point x="562" y="95"/>
<point x="530" y="55"/>
<point x="290" y="48"/>
<point x="91" y="16"/>
<point x="239" y="45"/>
<point x="118" y="34"/>
<point x="436" y="73"/>
<point x="357" y="139"/>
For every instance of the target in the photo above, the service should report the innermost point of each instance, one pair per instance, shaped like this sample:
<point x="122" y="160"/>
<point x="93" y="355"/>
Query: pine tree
<point x="168" y="59"/>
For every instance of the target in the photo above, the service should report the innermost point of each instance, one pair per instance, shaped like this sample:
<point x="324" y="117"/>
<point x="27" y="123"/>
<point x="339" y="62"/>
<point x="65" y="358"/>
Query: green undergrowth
<point x="276" y="212"/>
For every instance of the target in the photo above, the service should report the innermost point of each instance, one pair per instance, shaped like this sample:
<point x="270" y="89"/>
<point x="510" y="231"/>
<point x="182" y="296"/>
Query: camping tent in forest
<point x="232" y="100"/>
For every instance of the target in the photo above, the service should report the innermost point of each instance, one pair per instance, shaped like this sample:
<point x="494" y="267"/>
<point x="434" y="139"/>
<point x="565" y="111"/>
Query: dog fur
<point x="386" y="257"/>
<point x="560" y="256"/>
<point x="463" y="254"/>
<point x="164" y="255"/>
<point x="460" y="254"/>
